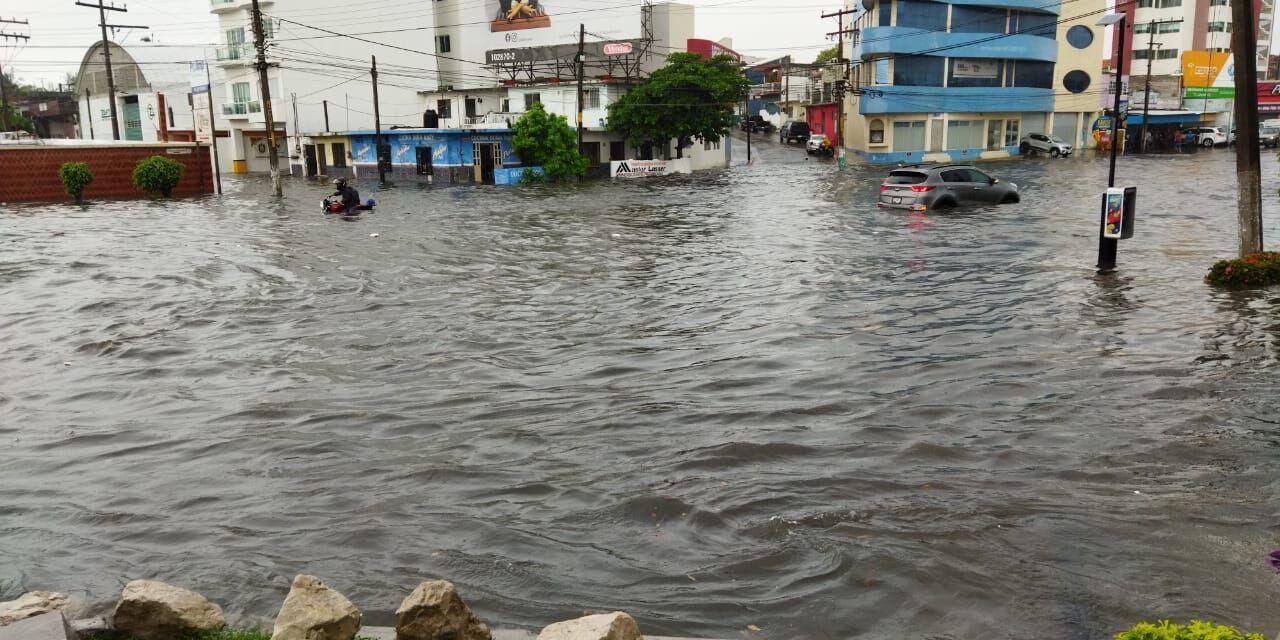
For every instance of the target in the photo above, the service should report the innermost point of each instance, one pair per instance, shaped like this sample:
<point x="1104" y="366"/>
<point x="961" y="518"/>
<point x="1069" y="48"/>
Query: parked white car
<point x="1210" y="136"/>
<point x="1054" y="146"/>
<point x="817" y="144"/>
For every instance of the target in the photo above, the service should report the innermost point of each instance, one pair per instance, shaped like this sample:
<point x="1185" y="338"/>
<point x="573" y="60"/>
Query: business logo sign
<point x="544" y="23"/>
<point x="975" y="68"/>
<point x="648" y="168"/>
<point x="618" y="48"/>
<point x="1202" y="69"/>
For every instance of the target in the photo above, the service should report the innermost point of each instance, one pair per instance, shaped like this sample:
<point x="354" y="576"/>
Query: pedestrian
<point x="1177" y="141"/>
<point x="1147" y="139"/>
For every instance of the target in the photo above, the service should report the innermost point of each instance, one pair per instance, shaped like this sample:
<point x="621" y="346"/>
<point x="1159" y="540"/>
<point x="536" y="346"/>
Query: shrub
<point x="1196" y="630"/>
<point x="546" y="140"/>
<point x="76" y="177"/>
<point x="1256" y="270"/>
<point x="157" y="174"/>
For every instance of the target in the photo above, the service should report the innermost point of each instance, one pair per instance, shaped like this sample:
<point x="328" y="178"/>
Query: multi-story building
<point x="1163" y="30"/>
<point x="962" y="80"/>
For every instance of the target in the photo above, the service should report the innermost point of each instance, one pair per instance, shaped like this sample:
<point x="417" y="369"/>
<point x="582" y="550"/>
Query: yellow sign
<point x="1204" y="68"/>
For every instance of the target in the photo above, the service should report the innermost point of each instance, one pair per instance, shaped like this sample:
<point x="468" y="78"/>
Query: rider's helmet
<point x="340" y="183"/>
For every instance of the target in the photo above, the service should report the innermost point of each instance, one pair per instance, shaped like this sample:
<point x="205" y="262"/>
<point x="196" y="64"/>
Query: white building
<point x="152" y="93"/>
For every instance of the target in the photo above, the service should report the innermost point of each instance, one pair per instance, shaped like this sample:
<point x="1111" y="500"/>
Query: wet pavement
<point x="739" y="398"/>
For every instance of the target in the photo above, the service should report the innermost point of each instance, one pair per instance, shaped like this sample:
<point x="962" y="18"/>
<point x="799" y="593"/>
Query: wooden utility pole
<point x="582" y="72"/>
<point x="264" y="88"/>
<point x="4" y="93"/>
<point x="213" y="129"/>
<point x="843" y="64"/>
<point x="103" y="8"/>
<point x="377" y="126"/>
<point x="88" y="110"/>
<point x="1248" y="162"/>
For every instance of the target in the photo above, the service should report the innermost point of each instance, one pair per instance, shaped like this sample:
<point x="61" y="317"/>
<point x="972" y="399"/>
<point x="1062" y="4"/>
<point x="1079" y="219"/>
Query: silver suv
<point x="1054" y="146"/>
<point x="919" y="188"/>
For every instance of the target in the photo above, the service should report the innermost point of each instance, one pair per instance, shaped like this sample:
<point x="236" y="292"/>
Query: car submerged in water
<point x="921" y="188"/>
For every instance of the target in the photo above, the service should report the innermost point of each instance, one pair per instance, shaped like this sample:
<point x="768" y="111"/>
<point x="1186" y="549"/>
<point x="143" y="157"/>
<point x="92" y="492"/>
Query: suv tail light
<point x="921" y="188"/>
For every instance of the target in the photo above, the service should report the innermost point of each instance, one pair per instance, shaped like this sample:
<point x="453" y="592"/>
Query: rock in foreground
<point x="46" y="626"/>
<point x="154" y="610"/>
<point x="313" y="611"/>
<point x="608" y="626"/>
<point x="435" y="611"/>
<point x="30" y="605"/>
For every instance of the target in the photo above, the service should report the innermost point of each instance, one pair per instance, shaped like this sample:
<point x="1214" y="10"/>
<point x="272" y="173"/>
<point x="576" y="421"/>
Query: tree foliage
<point x="1196" y="630"/>
<point x="827" y="56"/>
<point x="547" y="141"/>
<point x="691" y="97"/>
<point x="17" y="121"/>
<point x="76" y="177"/>
<point x="157" y="174"/>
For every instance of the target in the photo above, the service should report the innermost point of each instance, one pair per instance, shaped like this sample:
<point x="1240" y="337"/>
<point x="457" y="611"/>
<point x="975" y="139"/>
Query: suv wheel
<point x="1054" y="152"/>
<point x="1208" y="143"/>
<point x="1024" y="148"/>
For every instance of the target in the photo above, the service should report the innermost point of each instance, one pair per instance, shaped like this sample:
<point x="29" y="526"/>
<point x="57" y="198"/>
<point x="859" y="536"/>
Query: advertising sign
<point x="1201" y="69"/>
<point x="1269" y="97"/>
<point x="618" y="48"/>
<point x="649" y="168"/>
<point x="974" y="68"/>
<point x="1113" y="208"/>
<point x="541" y="23"/>
<point x="200" y="96"/>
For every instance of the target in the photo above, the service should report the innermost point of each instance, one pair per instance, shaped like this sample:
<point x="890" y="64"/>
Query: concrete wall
<point x="30" y="172"/>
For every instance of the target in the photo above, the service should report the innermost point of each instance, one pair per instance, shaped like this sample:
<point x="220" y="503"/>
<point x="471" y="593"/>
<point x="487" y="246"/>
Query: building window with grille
<point x="591" y="99"/>
<point x="444" y="108"/>
<point x="531" y="99"/>
<point x="876" y="135"/>
<point x="443" y="45"/>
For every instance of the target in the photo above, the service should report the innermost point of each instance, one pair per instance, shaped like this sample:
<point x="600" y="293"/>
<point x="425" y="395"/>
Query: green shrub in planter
<point x="1196" y="630"/>
<point x="157" y="174"/>
<point x="1256" y="270"/>
<point x="76" y="177"/>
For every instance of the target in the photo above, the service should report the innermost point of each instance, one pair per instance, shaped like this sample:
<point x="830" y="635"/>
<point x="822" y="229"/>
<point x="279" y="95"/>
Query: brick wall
<point x="30" y="172"/>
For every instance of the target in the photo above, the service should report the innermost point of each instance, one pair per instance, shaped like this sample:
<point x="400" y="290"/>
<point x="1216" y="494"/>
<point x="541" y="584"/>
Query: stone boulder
<point x="154" y="610"/>
<point x="313" y="611"/>
<point x="435" y="611"/>
<point x="608" y="626"/>
<point x="29" y="605"/>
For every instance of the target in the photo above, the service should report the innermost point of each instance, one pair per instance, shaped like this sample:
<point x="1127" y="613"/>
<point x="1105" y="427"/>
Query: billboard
<point x="544" y="23"/>
<point x="1208" y="75"/>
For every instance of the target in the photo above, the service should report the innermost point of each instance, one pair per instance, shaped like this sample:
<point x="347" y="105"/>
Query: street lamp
<point x="1109" y="247"/>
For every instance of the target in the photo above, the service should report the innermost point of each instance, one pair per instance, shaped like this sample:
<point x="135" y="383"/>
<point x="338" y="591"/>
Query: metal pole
<point x="326" y="116"/>
<point x="377" y="124"/>
<point x="4" y="103"/>
<point x="840" y="61"/>
<point x="264" y="87"/>
<point x="582" y="43"/>
<point x="1248" y="162"/>
<point x="746" y="110"/>
<point x="1109" y="247"/>
<point x="213" y="130"/>
<point x="88" y="109"/>
<point x="1146" y="98"/>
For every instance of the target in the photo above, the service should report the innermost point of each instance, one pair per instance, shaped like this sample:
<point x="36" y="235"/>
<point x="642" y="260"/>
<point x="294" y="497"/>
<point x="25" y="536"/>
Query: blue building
<point x="437" y="155"/>
<point x="962" y="80"/>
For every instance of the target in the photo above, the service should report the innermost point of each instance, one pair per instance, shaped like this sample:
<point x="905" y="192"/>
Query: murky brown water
<point x="743" y="398"/>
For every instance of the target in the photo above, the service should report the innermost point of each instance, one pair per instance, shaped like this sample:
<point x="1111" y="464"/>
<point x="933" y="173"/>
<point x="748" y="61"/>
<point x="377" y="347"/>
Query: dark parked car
<point x="919" y="188"/>
<point x="757" y="124"/>
<point x="794" y="132"/>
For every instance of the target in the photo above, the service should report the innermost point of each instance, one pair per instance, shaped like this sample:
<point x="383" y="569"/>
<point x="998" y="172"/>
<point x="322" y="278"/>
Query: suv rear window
<point x="906" y="177"/>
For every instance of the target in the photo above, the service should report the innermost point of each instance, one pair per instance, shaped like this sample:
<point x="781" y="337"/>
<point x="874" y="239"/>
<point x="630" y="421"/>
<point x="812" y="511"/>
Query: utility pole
<point x="582" y="73"/>
<point x="103" y="8"/>
<point x="88" y="110"/>
<point x="264" y="87"/>
<point x="326" y="116"/>
<point x="4" y="93"/>
<point x="377" y="124"/>
<point x="1248" y="163"/>
<point x="746" y="114"/>
<point x="213" y="129"/>
<point x="843" y="64"/>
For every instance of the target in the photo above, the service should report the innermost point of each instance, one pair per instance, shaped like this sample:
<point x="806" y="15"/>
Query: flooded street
<point x="730" y="399"/>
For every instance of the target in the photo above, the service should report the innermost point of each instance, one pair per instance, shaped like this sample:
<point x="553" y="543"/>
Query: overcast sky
<point x="61" y="31"/>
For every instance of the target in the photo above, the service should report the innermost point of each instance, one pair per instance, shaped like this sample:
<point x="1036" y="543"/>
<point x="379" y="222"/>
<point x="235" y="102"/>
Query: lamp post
<point x="1108" y="247"/>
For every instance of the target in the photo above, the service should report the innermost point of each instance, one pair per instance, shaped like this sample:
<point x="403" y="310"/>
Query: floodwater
<point x="742" y="398"/>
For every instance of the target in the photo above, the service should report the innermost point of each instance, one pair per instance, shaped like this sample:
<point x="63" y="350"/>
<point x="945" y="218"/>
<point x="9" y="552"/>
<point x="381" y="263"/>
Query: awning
<point x="1165" y="117"/>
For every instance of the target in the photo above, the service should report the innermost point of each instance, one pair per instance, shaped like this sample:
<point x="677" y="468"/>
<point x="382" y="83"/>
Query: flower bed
<point x="1257" y="270"/>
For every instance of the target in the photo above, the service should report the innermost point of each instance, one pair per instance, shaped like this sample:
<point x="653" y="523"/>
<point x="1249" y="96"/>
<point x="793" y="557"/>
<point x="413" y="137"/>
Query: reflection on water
<point x="714" y="401"/>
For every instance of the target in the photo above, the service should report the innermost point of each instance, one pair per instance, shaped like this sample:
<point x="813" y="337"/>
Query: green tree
<point x="157" y="174"/>
<point x="827" y="56"/>
<point x="691" y="97"/>
<point x="545" y="140"/>
<point x="17" y="121"/>
<point x="76" y="177"/>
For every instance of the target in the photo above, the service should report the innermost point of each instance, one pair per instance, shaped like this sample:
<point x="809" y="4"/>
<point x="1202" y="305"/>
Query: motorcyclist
<point x="349" y="197"/>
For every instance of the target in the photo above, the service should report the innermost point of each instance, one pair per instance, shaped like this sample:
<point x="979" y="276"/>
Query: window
<point x="1080" y="36"/>
<point x="877" y="131"/>
<point x="1029" y="73"/>
<point x="922" y="14"/>
<point x="443" y="45"/>
<point x="1219" y="3"/>
<point x="1035" y="24"/>
<point x="531" y="99"/>
<point x="240" y="92"/>
<point x="908" y="136"/>
<point x="591" y="99"/>
<point x="1169" y="27"/>
<point x="506" y="105"/>
<point x="235" y="36"/>
<point x="975" y="72"/>
<point x="955" y="175"/>
<point x="1219" y="27"/>
<point x="1167" y="54"/>
<point x="1076" y="81"/>
<point x="1145" y="4"/>
<point x="617" y="150"/>
<point x="1011" y="133"/>
<point x="339" y="154"/>
<point x="994" y="129"/>
<point x="886" y="13"/>
<point x="1142" y="27"/>
<point x="1168" y="4"/>
<point x="978" y="19"/>
<point x="918" y="71"/>
<point x="170" y="116"/>
<point x="965" y="134"/>
<point x="444" y="108"/>
<point x="1140" y="54"/>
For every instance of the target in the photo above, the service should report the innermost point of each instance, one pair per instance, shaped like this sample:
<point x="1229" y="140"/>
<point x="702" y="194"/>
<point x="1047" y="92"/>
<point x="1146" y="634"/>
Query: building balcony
<point x="902" y="99"/>
<point x="227" y="6"/>
<point x="241" y="110"/>
<point x="880" y="41"/>
<point x="235" y="54"/>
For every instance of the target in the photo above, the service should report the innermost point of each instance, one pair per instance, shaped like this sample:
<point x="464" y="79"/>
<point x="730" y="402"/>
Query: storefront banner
<point x="649" y="168"/>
